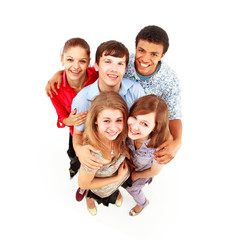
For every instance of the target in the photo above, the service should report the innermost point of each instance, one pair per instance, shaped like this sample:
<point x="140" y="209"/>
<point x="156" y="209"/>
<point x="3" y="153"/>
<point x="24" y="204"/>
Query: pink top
<point x="62" y="102"/>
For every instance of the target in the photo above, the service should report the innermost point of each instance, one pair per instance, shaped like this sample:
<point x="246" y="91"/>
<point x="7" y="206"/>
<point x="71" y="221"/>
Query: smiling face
<point x="140" y="126"/>
<point x="75" y="61"/>
<point x="110" y="123"/>
<point x="148" y="56"/>
<point x="111" y="71"/>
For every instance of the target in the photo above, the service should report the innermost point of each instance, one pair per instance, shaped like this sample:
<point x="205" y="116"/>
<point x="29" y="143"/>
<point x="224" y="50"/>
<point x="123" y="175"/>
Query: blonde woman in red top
<point x="75" y="58"/>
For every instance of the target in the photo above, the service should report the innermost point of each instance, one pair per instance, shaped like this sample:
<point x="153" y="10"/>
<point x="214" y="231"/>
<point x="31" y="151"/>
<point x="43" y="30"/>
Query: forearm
<point x="77" y="140"/>
<point x="97" y="182"/>
<point x="175" y="127"/>
<point x="151" y="172"/>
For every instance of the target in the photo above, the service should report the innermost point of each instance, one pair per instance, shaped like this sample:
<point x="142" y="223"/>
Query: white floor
<point x="201" y="194"/>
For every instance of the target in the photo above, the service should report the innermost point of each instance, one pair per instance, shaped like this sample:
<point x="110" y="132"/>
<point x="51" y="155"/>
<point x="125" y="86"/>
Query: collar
<point x="93" y="90"/>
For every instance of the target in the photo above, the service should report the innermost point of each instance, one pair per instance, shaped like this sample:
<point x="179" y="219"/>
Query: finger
<point x="165" y="161"/>
<point x="49" y="93"/>
<point x="91" y="167"/>
<point x="54" y="89"/>
<point x="162" y="146"/>
<point x="162" y="158"/>
<point x="93" y="149"/>
<point x="73" y="112"/>
<point x="161" y="153"/>
<point x="59" y="84"/>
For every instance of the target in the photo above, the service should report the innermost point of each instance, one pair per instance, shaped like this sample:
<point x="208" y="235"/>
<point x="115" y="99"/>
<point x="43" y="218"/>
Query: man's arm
<point x="50" y="86"/>
<point x="151" y="172"/>
<point x="170" y="147"/>
<point x="83" y="152"/>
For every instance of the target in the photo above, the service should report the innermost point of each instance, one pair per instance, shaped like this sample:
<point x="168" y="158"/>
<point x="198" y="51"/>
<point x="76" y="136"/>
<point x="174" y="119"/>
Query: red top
<point x="62" y="102"/>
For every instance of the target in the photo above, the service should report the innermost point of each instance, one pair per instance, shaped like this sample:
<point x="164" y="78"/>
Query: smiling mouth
<point x="112" y="76"/>
<point x="75" y="72"/>
<point x="144" y="65"/>
<point x="112" y="134"/>
<point x="133" y="132"/>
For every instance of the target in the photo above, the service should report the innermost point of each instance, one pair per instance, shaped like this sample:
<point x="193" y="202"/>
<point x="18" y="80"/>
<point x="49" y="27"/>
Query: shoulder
<point x="166" y="70"/>
<point x="91" y="71"/>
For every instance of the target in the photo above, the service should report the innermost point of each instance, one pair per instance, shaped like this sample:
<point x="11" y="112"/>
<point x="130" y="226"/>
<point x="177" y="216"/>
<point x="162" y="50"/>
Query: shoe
<point x="119" y="202"/>
<point x="93" y="211"/>
<point x="132" y="212"/>
<point x="80" y="194"/>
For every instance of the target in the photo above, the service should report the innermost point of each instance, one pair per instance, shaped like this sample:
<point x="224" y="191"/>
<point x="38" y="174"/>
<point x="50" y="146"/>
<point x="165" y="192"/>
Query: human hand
<point x="50" y="86"/>
<point x="77" y="119"/>
<point x="134" y="176"/>
<point x="87" y="159"/>
<point x="168" y="152"/>
<point x="122" y="170"/>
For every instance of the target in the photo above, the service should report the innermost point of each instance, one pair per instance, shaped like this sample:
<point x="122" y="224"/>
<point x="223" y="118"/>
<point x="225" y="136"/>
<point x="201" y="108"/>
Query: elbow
<point x="83" y="185"/>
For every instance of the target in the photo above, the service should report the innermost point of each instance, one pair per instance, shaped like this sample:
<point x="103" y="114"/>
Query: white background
<point x="201" y="194"/>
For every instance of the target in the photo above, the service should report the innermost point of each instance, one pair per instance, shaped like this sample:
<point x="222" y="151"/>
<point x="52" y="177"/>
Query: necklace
<point x="112" y="151"/>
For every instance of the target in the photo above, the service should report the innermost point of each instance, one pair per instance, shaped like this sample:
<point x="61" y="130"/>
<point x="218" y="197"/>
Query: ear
<point x="162" y="55"/>
<point x="62" y="59"/>
<point x="96" y="66"/>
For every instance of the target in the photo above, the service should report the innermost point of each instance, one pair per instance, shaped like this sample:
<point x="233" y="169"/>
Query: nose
<point x="114" y="68"/>
<point x="76" y="64"/>
<point x="113" y="126"/>
<point x="145" y="58"/>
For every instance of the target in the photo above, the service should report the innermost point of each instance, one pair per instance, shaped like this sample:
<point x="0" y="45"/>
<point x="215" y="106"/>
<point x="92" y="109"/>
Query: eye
<point x="119" y="120"/>
<point x="154" y="54"/>
<point x="144" y="124"/>
<point x="69" y="59"/>
<point x="83" y="61"/>
<point x="106" y="121"/>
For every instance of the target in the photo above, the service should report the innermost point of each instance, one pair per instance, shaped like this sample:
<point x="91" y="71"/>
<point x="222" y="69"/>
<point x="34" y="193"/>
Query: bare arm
<point x="151" y="172"/>
<point x="170" y="147"/>
<point x="83" y="152"/>
<point x="88" y="180"/>
<point x="50" y="86"/>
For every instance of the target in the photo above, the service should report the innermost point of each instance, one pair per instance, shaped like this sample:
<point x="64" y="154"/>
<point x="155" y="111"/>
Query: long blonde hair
<point x="103" y="101"/>
<point x="152" y="103"/>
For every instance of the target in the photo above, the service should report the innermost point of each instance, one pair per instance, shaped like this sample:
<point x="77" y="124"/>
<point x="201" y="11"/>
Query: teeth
<point x="133" y="131"/>
<point x="112" y="76"/>
<point x="144" y="65"/>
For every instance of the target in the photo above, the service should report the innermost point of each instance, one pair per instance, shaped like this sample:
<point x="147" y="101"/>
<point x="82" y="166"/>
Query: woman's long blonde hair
<point x="101" y="102"/>
<point x="152" y="103"/>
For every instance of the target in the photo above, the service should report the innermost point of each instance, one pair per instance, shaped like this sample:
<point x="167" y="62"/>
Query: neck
<point x="138" y="143"/>
<point x="78" y="84"/>
<point x="103" y="87"/>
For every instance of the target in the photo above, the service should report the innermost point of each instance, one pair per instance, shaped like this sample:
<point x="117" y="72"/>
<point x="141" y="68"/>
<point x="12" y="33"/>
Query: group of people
<point x="124" y="116"/>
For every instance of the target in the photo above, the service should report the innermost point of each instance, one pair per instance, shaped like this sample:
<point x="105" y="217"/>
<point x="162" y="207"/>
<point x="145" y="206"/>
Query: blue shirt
<point x="130" y="91"/>
<point x="163" y="83"/>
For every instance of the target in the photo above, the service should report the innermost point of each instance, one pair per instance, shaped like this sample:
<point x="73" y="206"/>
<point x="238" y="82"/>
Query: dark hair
<point x="74" y="42"/>
<point x="112" y="48"/>
<point x="154" y="34"/>
<point x="152" y="103"/>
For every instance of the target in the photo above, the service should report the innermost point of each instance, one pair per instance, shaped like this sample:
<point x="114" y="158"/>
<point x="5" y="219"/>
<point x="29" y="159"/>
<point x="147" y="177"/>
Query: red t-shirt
<point x="62" y="102"/>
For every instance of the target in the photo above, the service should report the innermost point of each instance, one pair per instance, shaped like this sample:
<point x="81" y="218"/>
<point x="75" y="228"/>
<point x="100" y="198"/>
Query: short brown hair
<point x="112" y="48"/>
<point x="152" y="103"/>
